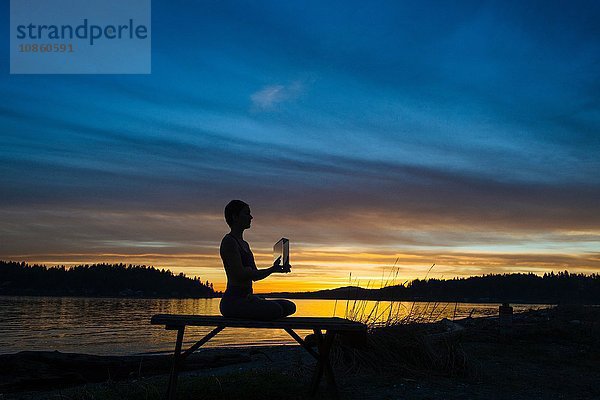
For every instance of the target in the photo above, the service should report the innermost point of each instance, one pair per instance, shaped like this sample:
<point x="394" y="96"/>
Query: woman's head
<point x="237" y="211"/>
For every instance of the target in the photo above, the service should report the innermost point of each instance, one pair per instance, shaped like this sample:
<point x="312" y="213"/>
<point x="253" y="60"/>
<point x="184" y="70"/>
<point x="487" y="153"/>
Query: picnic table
<point x="325" y="330"/>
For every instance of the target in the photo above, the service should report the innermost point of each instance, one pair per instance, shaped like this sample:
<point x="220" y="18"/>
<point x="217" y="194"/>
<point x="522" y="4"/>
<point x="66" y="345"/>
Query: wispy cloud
<point x="267" y="98"/>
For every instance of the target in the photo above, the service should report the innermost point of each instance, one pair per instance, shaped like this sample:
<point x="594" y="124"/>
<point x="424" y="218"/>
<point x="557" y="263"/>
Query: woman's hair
<point x="233" y="208"/>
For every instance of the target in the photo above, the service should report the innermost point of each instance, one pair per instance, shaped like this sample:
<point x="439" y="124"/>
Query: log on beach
<point x="38" y="370"/>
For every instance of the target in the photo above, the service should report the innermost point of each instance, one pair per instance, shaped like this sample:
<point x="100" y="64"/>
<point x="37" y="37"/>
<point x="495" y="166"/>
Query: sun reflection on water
<point x="121" y="326"/>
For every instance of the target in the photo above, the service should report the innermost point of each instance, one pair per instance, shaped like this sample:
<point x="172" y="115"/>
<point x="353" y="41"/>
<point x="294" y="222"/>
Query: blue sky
<point x="425" y="128"/>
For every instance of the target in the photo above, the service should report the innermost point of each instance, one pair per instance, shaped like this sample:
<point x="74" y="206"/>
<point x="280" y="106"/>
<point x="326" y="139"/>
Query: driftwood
<point x="453" y="330"/>
<point x="34" y="370"/>
<point x="438" y="344"/>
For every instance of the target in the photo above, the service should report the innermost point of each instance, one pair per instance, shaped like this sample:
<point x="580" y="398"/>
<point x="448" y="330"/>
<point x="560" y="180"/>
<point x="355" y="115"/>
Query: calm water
<point x="122" y="326"/>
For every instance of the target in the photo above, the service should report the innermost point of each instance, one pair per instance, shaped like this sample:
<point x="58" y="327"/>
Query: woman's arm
<point x="258" y="274"/>
<point x="263" y="273"/>
<point x="230" y="253"/>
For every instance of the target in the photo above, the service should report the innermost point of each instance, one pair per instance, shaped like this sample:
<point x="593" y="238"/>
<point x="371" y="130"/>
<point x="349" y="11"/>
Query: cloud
<point x="269" y="97"/>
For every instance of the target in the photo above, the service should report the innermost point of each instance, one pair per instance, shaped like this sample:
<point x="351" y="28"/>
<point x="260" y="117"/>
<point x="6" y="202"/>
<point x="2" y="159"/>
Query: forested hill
<point x="550" y="288"/>
<point x="19" y="278"/>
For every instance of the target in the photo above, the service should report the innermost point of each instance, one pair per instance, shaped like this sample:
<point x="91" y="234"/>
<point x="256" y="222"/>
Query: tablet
<point x="282" y="249"/>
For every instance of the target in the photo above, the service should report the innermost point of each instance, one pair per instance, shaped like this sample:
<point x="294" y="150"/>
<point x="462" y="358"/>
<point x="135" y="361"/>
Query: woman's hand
<point x="277" y="267"/>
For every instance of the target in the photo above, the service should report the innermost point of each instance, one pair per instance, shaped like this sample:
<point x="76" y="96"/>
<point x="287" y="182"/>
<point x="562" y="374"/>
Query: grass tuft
<point x="402" y="340"/>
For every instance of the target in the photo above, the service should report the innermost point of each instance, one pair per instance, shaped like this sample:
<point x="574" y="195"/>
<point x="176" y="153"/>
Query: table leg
<point x="302" y="343"/>
<point x="205" y="339"/>
<point x="323" y="364"/>
<point x="171" y="389"/>
<point x="319" y="368"/>
<point x="327" y="344"/>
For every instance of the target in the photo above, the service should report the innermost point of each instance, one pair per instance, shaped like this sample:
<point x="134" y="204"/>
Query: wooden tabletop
<point x="327" y="323"/>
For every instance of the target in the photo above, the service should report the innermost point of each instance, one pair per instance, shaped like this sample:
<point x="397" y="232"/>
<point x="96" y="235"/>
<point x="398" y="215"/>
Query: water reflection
<point x="122" y="326"/>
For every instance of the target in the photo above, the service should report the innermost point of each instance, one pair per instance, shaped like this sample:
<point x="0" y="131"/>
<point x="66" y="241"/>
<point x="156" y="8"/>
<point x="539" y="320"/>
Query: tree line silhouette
<point x="551" y="288"/>
<point x="20" y="278"/>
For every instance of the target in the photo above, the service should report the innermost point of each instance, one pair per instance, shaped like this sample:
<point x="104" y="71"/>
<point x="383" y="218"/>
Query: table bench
<point x="332" y="326"/>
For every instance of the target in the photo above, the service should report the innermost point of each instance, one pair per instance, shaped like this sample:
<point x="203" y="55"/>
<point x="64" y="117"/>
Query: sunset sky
<point x="465" y="134"/>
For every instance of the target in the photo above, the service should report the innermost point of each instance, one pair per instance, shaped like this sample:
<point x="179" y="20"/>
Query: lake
<point x="121" y="326"/>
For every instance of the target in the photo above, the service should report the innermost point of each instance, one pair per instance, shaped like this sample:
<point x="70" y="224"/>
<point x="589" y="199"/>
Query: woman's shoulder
<point x="230" y="242"/>
<point x="228" y="239"/>
<point x="228" y="245"/>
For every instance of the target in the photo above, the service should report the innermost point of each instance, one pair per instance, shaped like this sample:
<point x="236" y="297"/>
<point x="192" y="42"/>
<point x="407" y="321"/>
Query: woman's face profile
<point x="245" y="218"/>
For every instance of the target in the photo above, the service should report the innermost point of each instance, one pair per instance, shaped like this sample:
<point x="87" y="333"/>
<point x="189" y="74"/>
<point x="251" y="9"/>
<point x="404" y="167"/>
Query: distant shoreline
<point x="295" y="296"/>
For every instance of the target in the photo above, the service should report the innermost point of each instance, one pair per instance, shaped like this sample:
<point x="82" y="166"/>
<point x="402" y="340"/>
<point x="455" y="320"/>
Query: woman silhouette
<point x="240" y="268"/>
